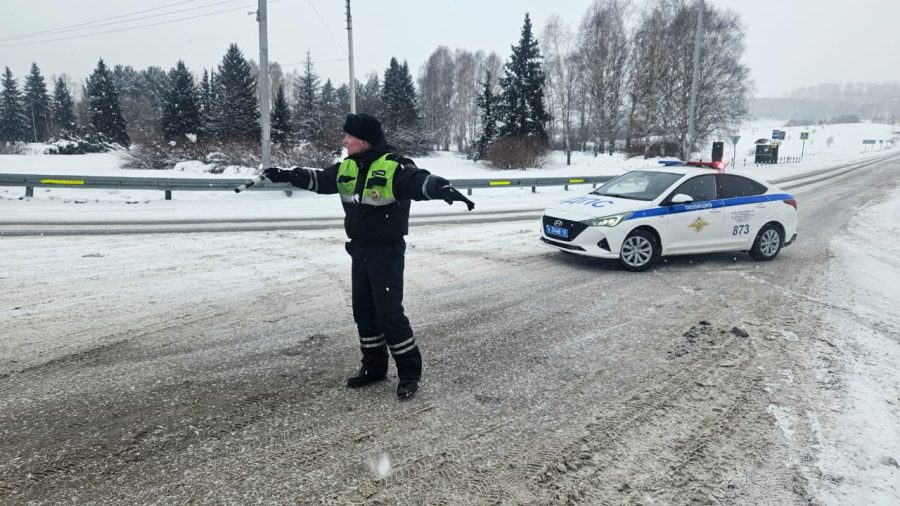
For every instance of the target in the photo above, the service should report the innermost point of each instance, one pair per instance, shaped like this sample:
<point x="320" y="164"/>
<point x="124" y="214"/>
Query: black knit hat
<point x="365" y="127"/>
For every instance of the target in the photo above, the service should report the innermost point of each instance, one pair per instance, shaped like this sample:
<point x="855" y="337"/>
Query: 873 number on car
<point x="740" y="230"/>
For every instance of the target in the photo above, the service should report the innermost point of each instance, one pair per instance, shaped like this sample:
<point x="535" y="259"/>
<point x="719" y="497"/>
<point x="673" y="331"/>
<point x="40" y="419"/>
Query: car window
<point x="638" y="185"/>
<point x="699" y="188"/>
<point x="731" y="185"/>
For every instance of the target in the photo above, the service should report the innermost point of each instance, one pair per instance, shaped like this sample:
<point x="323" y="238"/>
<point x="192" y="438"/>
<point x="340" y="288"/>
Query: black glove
<point x="277" y="175"/>
<point x="450" y="194"/>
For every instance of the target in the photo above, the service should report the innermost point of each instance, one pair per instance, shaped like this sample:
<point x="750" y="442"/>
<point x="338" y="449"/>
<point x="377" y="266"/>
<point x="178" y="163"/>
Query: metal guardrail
<point x="168" y="185"/>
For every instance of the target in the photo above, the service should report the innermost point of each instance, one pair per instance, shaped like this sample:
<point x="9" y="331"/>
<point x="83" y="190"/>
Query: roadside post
<point x="803" y="137"/>
<point x="734" y="141"/>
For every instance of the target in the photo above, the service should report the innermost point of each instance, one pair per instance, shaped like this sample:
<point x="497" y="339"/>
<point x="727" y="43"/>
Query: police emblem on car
<point x="680" y="208"/>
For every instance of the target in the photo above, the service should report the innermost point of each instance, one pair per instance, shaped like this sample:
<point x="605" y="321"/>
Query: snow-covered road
<point x="208" y="368"/>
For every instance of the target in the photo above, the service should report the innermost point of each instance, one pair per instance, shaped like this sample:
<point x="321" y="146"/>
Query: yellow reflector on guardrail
<point x="63" y="181"/>
<point x="499" y="183"/>
<point x="576" y="180"/>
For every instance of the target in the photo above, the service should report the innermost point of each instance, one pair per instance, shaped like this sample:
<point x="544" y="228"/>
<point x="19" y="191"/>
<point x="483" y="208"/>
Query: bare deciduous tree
<point x="436" y="94"/>
<point x="724" y="82"/>
<point x="561" y="65"/>
<point x="648" y="58"/>
<point x="604" y="42"/>
<point x="464" y="98"/>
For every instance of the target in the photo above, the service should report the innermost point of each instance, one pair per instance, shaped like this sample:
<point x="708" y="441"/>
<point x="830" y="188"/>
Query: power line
<point x="130" y="28"/>
<point x="316" y="61"/>
<point x="28" y="35"/>
<point x="325" y="26"/>
<point x="98" y="24"/>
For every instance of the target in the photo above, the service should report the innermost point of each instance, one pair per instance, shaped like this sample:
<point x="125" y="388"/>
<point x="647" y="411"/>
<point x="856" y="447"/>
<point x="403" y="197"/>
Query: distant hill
<point x="878" y="102"/>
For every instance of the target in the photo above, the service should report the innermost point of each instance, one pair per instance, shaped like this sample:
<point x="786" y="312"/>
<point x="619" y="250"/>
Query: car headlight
<point x="607" y="221"/>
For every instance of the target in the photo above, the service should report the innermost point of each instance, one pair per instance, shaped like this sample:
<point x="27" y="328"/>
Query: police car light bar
<point x="711" y="165"/>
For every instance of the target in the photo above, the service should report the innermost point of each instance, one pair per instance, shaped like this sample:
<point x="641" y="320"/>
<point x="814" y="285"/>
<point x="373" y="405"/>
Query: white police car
<point x="681" y="208"/>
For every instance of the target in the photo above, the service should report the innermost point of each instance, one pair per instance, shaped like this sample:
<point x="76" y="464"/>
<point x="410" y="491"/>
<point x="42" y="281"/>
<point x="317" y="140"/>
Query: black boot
<point x="364" y="377"/>
<point x="407" y="388"/>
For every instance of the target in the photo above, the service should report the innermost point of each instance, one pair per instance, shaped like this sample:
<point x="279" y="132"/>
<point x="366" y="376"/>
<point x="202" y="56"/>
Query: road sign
<point x="868" y="141"/>
<point x="735" y="139"/>
<point x="804" y="135"/>
<point x="777" y="135"/>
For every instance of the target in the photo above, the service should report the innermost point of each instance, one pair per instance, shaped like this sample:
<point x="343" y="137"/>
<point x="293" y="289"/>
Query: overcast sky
<point x="790" y="43"/>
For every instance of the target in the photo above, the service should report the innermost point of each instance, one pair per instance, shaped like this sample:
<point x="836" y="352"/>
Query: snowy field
<point x="60" y="205"/>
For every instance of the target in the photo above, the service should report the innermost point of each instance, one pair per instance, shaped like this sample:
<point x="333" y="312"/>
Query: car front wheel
<point x="767" y="244"/>
<point x="639" y="250"/>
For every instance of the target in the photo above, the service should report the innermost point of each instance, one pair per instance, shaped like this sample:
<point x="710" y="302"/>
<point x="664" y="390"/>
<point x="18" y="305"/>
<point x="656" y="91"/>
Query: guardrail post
<point x="469" y="191"/>
<point x="566" y="187"/>
<point x="168" y="194"/>
<point x="534" y="189"/>
<point x="29" y="191"/>
<point x="288" y="193"/>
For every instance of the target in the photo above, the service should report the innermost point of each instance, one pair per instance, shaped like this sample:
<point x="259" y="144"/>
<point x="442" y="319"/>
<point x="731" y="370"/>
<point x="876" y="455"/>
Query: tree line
<point x="619" y="82"/>
<point x="121" y="105"/>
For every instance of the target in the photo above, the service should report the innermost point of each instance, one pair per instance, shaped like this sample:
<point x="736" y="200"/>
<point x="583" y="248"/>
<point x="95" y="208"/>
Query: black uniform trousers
<point x="377" y="281"/>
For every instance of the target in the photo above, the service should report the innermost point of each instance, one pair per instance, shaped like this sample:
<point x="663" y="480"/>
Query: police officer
<point x="376" y="186"/>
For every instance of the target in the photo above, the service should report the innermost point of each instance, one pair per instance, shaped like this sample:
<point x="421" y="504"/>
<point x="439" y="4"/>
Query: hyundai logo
<point x="558" y="223"/>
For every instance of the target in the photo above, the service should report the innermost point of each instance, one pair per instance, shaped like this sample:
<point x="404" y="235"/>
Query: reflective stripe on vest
<point x="379" y="187"/>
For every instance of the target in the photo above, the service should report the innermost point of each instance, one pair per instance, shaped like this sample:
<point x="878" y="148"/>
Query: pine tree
<point x="487" y="102"/>
<point x="142" y="95"/>
<point x="181" y="112"/>
<point x="209" y="106"/>
<point x="12" y="120"/>
<point x="368" y="97"/>
<point x="37" y="106"/>
<point x="281" y="118"/>
<point x="332" y="112"/>
<point x="399" y="97"/>
<point x="105" y="113"/>
<point x="401" y="116"/>
<point x="521" y="108"/>
<point x="63" y="110"/>
<point x="342" y="96"/>
<point x="307" y="115"/>
<point x="238" y="118"/>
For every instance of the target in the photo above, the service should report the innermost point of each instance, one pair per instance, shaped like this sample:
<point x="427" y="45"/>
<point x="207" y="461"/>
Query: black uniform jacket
<point x="368" y="222"/>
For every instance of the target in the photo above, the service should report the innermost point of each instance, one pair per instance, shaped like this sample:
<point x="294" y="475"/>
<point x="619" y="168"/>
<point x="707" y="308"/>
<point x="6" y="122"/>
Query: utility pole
<point x="695" y="77"/>
<point x="263" y="82"/>
<point x="350" y="54"/>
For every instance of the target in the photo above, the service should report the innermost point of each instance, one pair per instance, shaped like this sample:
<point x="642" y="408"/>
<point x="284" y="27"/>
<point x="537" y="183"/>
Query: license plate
<point x="560" y="232"/>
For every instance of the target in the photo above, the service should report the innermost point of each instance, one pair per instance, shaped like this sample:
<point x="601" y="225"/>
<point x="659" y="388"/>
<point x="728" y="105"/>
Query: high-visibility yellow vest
<point x="379" y="187"/>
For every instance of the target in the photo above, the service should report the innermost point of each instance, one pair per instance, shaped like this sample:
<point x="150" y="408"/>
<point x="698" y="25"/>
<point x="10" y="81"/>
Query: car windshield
<point x="638" y="185"/>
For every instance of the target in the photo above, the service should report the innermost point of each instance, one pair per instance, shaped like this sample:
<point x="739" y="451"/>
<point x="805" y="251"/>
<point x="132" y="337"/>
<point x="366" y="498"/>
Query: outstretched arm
<point x="314" y="180"/>
<point x="411" y="182"/>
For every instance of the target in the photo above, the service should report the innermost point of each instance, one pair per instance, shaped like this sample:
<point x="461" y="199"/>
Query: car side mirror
<point x="681" y="199"/>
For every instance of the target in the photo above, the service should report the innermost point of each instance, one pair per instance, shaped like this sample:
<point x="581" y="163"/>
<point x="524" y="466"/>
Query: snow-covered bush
<point x="12" y="148"/>
<point x="517" y="153"/>
<point x="150" y="156"/>
<point x="82" y="144"/>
